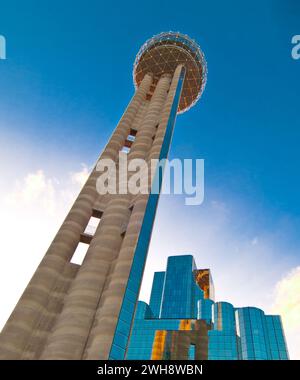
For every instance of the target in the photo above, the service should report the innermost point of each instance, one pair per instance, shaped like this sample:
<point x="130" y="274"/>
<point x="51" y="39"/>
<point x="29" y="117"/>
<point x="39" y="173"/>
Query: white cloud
<point x="31" y="212"/>
<point x="81" y="176"/>
<point x="287" y="304"/>
<point x="34" y="189"/>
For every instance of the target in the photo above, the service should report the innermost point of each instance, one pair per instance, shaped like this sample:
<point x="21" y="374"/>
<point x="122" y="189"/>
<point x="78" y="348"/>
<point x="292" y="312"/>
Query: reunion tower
<point x="71" y="311"/>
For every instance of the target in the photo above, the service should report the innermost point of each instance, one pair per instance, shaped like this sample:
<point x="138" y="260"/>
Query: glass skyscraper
<point x="182" y="321"/>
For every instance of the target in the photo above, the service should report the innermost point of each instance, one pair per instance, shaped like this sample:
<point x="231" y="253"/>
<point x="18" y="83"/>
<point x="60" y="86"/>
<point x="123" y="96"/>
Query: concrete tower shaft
<point x="71" y="311"/>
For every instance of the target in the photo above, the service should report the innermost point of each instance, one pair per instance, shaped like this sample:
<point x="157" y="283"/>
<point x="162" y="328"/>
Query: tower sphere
<point x="163" y="53"/>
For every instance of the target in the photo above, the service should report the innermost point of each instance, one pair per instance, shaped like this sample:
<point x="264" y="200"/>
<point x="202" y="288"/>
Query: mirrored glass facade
<point x="223" y="339"/>
<point x="177" y="306"/>
<point x="276" y="338"/>
<point x="156" y="293"/>
<point x="180" y="292"/>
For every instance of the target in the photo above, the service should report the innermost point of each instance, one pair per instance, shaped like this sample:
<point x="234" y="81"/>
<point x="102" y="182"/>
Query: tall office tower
<point x="181" y="322"/>
<point x="180" y="291"/>
<point x="85" y="311"/>
<point x="172" y="329"/>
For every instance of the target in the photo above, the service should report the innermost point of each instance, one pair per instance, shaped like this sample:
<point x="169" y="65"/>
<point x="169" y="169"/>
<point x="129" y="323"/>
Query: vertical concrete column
<point x="200" y="339"/>
<point x="181" y="342"/>
<point x="107" y="316"/>
<point x="70" y="333"/>
<point x="32" y="303"/>
<point x="102" y="333"/>
<point x="155" y="151"/>
<point x="103" y="200"/>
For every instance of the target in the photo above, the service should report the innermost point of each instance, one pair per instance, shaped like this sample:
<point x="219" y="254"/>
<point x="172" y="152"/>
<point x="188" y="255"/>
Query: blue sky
<point x="67" y="80"/>
<point x="65" y="61"/>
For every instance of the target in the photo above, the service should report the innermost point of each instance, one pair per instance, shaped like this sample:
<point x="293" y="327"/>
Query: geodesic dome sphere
<point x="163" y="53"/>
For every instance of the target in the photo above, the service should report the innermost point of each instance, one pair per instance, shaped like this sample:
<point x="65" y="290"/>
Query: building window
<point x="125" y="149"/>
<point x="156" y="128"/>
<point x="124" y="225"/>
<point x="129" y="141"/>
<point x="79" y="253"/>
<point x="133" y="132"/>
<point x="92" y="226"/>
<point x="89" y="232"/>
<point x="86" y="237"/>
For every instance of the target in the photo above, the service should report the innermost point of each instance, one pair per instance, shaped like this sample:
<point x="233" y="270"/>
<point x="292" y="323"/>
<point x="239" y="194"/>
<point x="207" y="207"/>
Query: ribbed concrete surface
<point x="69" y="311"/>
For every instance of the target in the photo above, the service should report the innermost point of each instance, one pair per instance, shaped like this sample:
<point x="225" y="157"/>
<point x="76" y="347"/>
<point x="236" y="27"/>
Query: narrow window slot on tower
<point x="125" y="149"/>
<point x="129" y="141"/>
<point x="92" y="226"/>
<point x="156" y="128"/>
<point x="79" y="253"/>
<point x="125" y="225"/>
<point x="89" y="232"/>
<point x="97" y="213"/>
<point x="123" y="229"/>
<point x="130" y="138"/>
<point x="133" y="132"/>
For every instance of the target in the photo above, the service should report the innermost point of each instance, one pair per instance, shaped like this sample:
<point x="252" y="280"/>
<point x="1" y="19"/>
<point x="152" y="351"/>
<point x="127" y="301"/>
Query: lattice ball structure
<point x="163" y="53"/>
